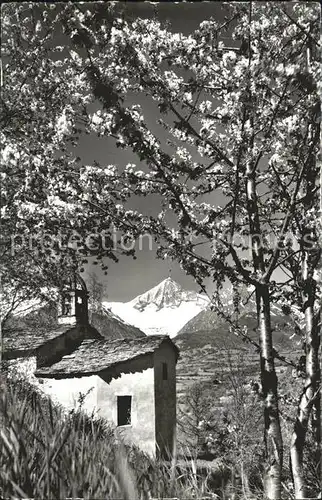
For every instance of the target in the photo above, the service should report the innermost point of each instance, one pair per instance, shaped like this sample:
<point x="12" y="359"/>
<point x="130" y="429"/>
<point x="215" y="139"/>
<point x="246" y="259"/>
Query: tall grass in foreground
<point x="46" y="453"/>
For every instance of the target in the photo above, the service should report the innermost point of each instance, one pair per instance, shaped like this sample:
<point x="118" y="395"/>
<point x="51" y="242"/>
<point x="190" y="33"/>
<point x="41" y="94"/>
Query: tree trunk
<point x="297" y="446"/>
<point x="1" y="345"/>
<point x="244" y="479"/>
<point x="273" y="436"/>
<point x="309" y="404"/>
<point x="311" y="396"/>
<point x="272" y="433"/>
<point x="313" y="370"/>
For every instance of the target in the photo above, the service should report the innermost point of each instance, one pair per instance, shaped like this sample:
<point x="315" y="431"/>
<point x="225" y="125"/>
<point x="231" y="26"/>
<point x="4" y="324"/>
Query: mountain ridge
<point x="168" y="293"/>
<point x="164" y="309"/>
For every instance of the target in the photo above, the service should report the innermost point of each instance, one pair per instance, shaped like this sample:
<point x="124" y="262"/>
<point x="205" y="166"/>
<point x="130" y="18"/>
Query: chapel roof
<point x="27" y="340"/>
<point x="94" y="356"/>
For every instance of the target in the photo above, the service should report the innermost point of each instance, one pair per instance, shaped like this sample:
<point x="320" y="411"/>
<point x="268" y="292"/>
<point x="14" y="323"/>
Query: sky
<point x="129" y="278"/>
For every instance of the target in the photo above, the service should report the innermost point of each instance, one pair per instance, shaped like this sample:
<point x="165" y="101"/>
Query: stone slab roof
<point x="26" y="340"/>
<point x="94" y="356"/>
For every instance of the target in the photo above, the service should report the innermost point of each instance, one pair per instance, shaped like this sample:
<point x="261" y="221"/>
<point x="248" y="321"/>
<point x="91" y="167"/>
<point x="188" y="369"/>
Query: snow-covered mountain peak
<point x="168" y="293"/>
<point x="162" y="310"/>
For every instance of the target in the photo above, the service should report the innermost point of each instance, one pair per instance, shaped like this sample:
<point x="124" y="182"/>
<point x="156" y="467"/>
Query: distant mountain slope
<point x="162" y="310"/>
<point x="112" y="326"/>
<point x="44" y="317"/>
<point x="208" y="328"/>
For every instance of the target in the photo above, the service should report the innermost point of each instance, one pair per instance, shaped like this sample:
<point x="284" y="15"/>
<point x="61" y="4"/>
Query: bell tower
<point x="73" y="305"/>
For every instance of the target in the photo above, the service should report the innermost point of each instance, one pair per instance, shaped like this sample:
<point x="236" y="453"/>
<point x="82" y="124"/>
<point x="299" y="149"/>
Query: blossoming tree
<point x="231" y="156"/>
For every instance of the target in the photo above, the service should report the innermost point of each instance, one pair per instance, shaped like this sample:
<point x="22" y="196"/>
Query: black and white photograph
<point x="160" y="250"/>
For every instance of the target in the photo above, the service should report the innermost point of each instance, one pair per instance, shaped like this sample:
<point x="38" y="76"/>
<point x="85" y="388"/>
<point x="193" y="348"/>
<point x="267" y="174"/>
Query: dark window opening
<point x="124" y="404"/>
<point x="80" y="308"/>
<point x="66" y="305"/>
<point x="164" y="371"/>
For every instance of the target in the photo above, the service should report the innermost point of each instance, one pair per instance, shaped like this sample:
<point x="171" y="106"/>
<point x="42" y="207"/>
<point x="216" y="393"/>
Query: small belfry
<point x="73" y="304"/>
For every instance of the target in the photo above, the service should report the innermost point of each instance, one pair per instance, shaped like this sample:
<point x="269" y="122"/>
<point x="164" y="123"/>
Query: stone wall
<point x="153" y="411"/>
<point x="65" y="392"/>
<point x="165" y="400"/>
<point x="68" y="392"/>
<point x="139" y="385"/>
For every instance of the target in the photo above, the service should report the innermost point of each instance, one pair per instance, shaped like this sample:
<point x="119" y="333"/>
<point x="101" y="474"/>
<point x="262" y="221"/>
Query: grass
<point x="46" y="453"/>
